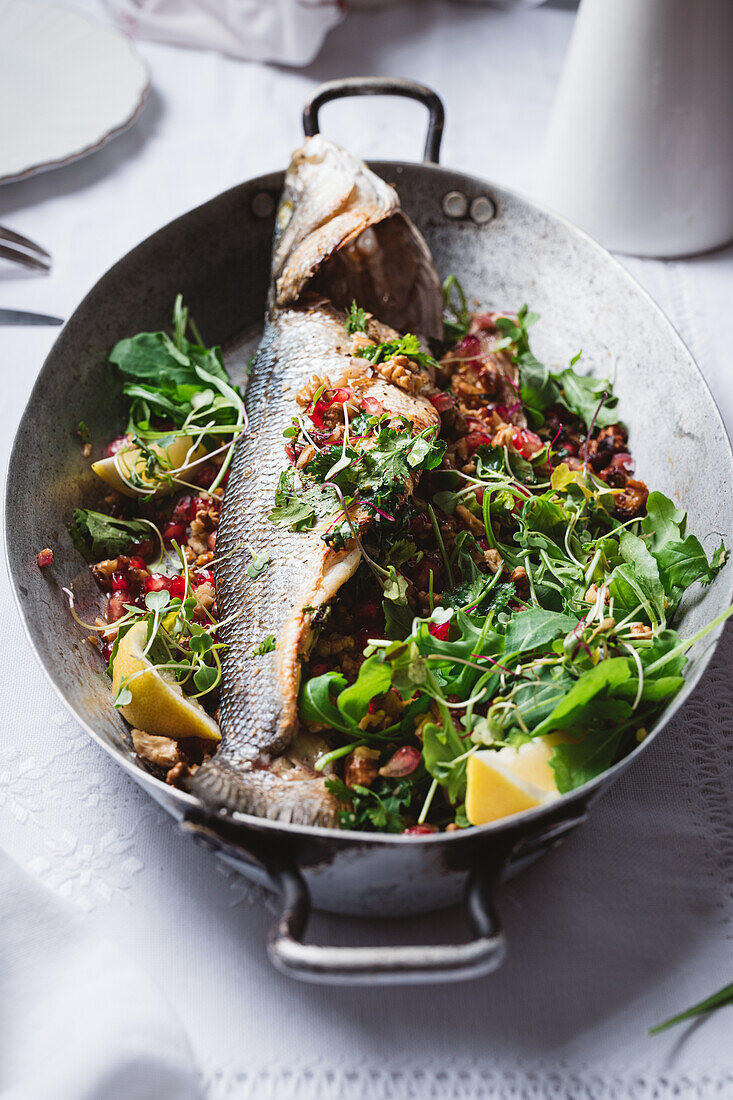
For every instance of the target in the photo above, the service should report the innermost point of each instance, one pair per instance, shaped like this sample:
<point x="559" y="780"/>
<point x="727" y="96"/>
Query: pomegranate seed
<point x="420" y="830"/>
<point x="174" y="531"/>
<point x="468" y="349"/>
<point x="44" y="558"/>
<point x="440" y="631"/>
<point x="119" y="582"/>
<point x="177" y="587"/>
<point x="625" y="461"/>
<point x="156" y="582"/>
<point x="442" y="401"/>
<point x="474" y="440"/>
<point x="372" y="406"/>
<point x="142" y="549"/>
<point x="117" y="444"/>
<point x="184" y="510"/>
<point x="204" y="576"/>
<point x="106" y="648"/>
<point x="402" y="762"/>
<point x="527" y="443"/>
<point x="136" y="562"/>
<point x="115" y="610"/>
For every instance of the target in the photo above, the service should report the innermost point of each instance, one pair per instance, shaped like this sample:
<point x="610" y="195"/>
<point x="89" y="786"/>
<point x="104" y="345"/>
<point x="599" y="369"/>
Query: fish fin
<point x="220" y="785"/>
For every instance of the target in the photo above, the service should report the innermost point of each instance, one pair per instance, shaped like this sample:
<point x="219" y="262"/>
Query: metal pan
<point x="506" y="251"/>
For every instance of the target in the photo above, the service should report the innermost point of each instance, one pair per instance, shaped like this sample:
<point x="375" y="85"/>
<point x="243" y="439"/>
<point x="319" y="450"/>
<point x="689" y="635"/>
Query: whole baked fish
<point x="340" y="234"/>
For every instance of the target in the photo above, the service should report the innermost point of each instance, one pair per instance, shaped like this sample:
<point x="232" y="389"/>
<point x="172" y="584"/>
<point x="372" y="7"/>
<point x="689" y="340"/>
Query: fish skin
<point x="257" y="769"/>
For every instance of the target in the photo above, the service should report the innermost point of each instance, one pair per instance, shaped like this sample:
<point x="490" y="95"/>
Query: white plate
<point x="66" y="87"/>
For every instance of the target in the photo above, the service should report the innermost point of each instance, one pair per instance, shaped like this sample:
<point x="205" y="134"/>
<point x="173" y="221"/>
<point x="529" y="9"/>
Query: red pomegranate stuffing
<point x="156" y="582"/>
<point x="175" y="531"/>
<point x="44" y="558"/>
<point x="115" y="608"/>
<point x="184" y="510"/>
<point x="468" y="350"/>
<point x="442" y="401"/>
<point x="177" y="587"/>
<point x="527" y="443"/>
<point x="403" y="762"/>
<point x="204" y="576"/>
<point x="136" y="562"/>
<point x="120" y="582"/>
<point x="420" y="830"/>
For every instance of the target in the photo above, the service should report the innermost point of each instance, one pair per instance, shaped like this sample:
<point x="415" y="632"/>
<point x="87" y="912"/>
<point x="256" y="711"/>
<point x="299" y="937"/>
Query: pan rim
<point x="184" y="801"/>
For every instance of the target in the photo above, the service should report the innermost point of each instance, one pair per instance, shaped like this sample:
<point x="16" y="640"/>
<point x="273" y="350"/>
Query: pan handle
<point x="381" y="85"/>
<point x="385" y="965"/>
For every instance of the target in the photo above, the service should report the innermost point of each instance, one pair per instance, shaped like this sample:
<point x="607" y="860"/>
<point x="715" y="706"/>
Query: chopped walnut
<point x="402" y="372"/>
<point x="521" y="580"/>
<point x="361" y="767"/>
<point x="306" y="392"/>
<point x="474" y="524"/>
<point x="504" y="437"/>
<point x="640" y="630"/>
<point x="205" y="596"/>
<point x="494" y="560"/>
<point x="305" y="456"/>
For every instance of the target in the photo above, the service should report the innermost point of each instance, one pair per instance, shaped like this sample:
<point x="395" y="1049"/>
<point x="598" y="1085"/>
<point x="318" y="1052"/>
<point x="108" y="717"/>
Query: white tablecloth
<point x="631" y="919"/>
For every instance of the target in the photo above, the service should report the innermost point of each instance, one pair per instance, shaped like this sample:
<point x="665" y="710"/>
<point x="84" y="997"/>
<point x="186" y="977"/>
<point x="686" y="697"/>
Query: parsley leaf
<point x="265" y="646"/>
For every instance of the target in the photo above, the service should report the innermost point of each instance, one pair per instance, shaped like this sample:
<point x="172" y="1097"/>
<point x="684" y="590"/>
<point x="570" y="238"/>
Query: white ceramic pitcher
<point x="639" y="150"/>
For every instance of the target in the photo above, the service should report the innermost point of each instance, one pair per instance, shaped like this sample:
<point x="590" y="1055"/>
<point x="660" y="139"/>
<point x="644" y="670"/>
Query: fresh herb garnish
<point x="96" y="535"/>
<point x="267" y="645"/>
<point x="356" y="320"/>
<point x="259" y="564"/>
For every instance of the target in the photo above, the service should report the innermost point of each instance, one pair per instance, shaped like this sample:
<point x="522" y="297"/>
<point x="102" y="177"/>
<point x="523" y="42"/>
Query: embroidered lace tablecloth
<point x="631" y="919"/>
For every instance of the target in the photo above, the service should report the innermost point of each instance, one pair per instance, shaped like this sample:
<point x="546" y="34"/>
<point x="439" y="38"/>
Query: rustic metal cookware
<point x="506" y="251"/>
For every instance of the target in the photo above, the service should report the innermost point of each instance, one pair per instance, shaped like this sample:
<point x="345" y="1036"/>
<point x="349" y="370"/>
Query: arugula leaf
<point x="646" y="570"/>
<point x="315" y="703"/>
<point x="575" y="764"/>
<point x="536" y="627"/>
<point x="681" y="560"/>
<point x="583" y="697"/>
<point x="375" y="677"/>
<point x="441" y="746"/>
<point x="98" y="536"/>
<point x="663" y="521"/>
<point x="582" y="394"/>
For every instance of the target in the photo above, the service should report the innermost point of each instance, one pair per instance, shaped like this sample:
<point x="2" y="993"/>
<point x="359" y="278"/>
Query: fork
<point x="22" y="251"/>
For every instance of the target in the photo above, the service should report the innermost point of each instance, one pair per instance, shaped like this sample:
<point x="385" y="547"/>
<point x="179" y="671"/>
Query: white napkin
<point x="288" y="31"/>
<point x="78" y="1021"/>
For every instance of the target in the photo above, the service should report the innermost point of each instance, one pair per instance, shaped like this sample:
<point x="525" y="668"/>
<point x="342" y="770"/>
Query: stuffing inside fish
<point x="274" y="581"/>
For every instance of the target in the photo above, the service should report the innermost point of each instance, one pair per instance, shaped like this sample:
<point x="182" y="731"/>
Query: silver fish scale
<point x="296" y="344"/>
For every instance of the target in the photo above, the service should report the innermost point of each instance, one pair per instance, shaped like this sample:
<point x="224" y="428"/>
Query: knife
<point x="21" y="317"/>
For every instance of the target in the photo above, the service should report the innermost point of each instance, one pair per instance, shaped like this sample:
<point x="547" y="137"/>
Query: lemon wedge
<point x="158" y="704"/>
<point x="510" y="780"/>
<point x="118" y="468"/>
